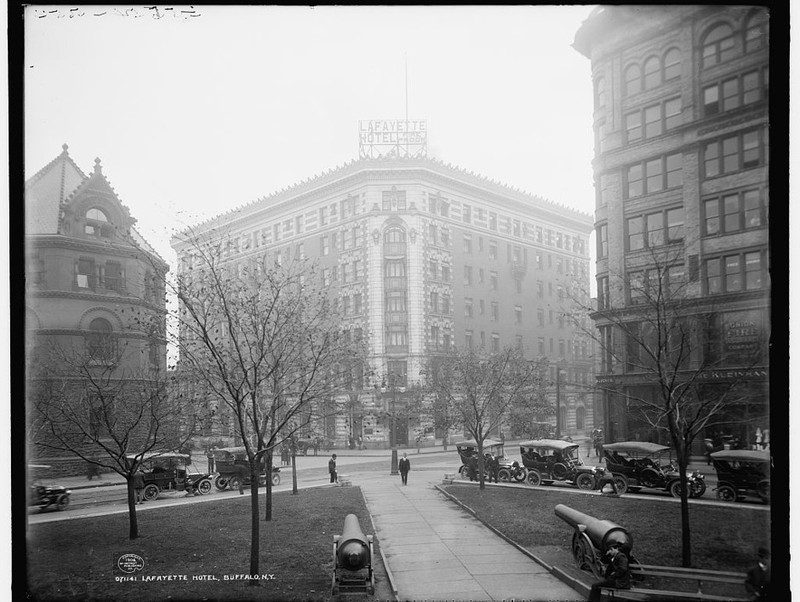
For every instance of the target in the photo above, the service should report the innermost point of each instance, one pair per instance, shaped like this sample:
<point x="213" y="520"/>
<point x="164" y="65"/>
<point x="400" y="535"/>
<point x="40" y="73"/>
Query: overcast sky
<point x="195" y="113"/>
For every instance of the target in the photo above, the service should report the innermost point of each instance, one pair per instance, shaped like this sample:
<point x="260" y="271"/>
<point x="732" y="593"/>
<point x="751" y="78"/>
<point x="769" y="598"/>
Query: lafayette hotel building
<point x="424" y="257"/>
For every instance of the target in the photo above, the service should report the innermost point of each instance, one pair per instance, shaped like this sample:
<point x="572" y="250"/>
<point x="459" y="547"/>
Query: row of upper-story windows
<point x="725" y="273"/>
<point x="342" y="274"/>
<point x="508" y="225"/>
<point x="719" y="43"/>
<point x="654" y="229"/>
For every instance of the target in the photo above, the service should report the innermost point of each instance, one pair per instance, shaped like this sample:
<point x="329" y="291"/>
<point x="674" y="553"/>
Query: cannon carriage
<point x="640" y="465"/>
<point x="352" y="560"/>
<point x="549" y="460"/>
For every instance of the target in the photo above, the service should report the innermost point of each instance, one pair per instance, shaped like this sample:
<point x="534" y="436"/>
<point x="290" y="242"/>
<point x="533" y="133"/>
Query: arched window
<point x="100" y="342"/>
<point x="756" y="33"/>
<point x="394" y="242"/>
<point x="633" y="80"/>
<point x="600" y="92"/>
<point x="672" y="64"/>
<point x="652" y="73"/>
<point x="97" y="215"/>
<point x="395" y="235"/>
<point x="718" y="45"/>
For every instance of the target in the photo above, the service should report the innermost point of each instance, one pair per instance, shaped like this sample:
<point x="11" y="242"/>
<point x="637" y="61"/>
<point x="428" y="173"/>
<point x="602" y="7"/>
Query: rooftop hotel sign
<point x="407" y="138"/>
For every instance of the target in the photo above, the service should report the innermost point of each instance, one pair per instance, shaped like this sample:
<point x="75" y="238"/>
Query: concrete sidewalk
<point x="434" y="550"/>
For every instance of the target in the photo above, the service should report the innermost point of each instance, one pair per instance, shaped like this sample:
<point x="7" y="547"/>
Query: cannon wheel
<point x="204" y="486"/>
<point x="584" y="481"/>
<point x="504" y="475"/>
<point x="584" y="554"/>
<point x="726" y="493"/>
<point x="621" y="481"/>
<point x="221" y="483"/>
<point x="534" y="478"/>
<point x="276" y="479"/>
<point x="151" y="492"/>
<point x="559" y="471"/>
<point x="763" y="490"/>
<point x="62" y="502"/>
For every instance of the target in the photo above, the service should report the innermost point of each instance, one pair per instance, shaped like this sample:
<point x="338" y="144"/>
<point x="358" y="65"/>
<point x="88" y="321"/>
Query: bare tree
<point x="480" y="387"/>
<point x="262" y="335"/>
<point x="652" y="324"/>
<point x="89" y="404"/>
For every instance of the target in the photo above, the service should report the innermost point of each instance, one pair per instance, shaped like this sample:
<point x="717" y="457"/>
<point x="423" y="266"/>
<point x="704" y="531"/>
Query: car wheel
<point x="151" y="492"/>
<point x="534" y="478"/>
<point x="559" y="471"/>
<point x="234" y="482"/>
<point x="504" y="475"/>
<point x="621" y="481"/>
<point x="520" y="475"/>
<point x="584" y="481"/>
<point x="204" y="486"/>
<point x="649" y="478"/>
<point x="221" y="483"/>
<point x="675" y="489"/>
<point x="726" y="493"/>
<point x="63" y="502"/>
<point x="698" y="488"/>
<point x="276" y="479"/>
<point x="464" y="472"/>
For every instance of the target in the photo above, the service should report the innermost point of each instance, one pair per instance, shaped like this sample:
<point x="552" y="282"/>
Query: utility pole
<point x="392" y="435"/>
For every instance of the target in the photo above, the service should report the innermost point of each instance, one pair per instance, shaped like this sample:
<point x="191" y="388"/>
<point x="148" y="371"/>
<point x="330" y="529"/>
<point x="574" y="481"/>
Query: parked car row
<point x="634" y="466"/>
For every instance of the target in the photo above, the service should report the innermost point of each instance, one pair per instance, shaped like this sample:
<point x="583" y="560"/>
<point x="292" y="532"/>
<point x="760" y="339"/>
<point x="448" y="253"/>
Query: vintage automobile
<point x="46" y="495"/>
<point x="232" y="467"/>
<point x="169" y="471"/>
<point x="509" y="469"/>
<point x="638" y="465"/>
<point x="549" y="460"/>
<point x="741" y="473"/>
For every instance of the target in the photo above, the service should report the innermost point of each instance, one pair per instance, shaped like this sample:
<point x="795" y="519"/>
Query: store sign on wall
<point x="406" y="138"/>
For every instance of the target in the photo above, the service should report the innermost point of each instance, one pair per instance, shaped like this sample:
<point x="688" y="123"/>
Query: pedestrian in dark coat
<point x="493" y="467"/>
<point x="618" y="574"/>
<point x="404" y="466"/>
<point x="758" y="577"/>
<point x="210" y="456"/>
<point x="472" y="468"/>
<point x="138" y="486"/>
<point x="332" y="468"/>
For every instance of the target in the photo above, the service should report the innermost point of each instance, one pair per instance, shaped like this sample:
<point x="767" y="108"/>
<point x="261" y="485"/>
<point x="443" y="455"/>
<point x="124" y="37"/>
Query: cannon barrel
<point x="602" y="533"/>
<point x="352" y="550"/>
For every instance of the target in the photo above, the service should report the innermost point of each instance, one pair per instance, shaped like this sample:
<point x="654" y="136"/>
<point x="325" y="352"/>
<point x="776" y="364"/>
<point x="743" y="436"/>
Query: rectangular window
<point x="752" y="270"/>
<point x="711" y="165"/>
<point x="357" y="303"/>
<point x="323" y="216"/>
<point x="435" y="337"/>
<point x="675" y="224"/>
<point x="602" y="240"/>
<point x="324" y="245"/>
<point x="655" y="175"/>
<point x="492" y="249"/>
<point x="518" y="314"/>
<point x="493" y="280"/>
<point x="467" y="243"/>
<point x="445" y="273"/>
<point x="655" y="229"/>
<point x="434" y="269"/>
<point x="652" y="121"/>
<point x="751" y="88"/>
<point x="495" y="342"/>
<point x="540" y="345"/>
<point x="730" y="207"/>
<point x="603" y="298"/>
<point x="635" y="234"/>
<point x="481" y="307"/>
<point x="540" y="289"/>
<point x="495" y="311"/>
<point x="672" y="113"/>
<point x="435" y="302"/>
<point x="432" y="233"/>
<point x="540" y="316"/>
<point x="713" y="276"/>
<point x="733" y="275"/>
<point x="492" y="221"/>
<point x="466" y="214"/>
<point x="711" y="210"/>
<point x="467" y="308"/>
<point x="676" y="281"/>
<point x="674" y="170"/>
<point x="446" y="304"/>
<point x="85" y="273"/>
<point x="468" y="339"/>
<point x="752" y="209"/>
<point x="633" y="126"/>
<point x="637" y="292"/>
<point x="635" y="183"/>
<point x="467" y="275"/>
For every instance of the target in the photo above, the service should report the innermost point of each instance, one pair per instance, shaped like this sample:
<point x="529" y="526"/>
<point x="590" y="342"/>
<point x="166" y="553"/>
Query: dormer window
<point x="97" y="223"/>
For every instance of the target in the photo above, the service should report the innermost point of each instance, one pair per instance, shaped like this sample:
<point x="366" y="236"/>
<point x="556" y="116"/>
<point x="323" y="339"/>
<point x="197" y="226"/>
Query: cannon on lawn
<point x="592" y="537"/>
<point x="352" y="560"/>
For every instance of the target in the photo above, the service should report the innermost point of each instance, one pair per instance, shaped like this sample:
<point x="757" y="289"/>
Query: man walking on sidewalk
<point x="404" y="466"/>
<point x="332" y="468"/>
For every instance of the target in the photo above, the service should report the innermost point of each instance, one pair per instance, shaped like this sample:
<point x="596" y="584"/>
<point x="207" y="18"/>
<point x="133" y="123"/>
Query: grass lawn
<point x="76" y="559"/>
<point x="723" y="538"/>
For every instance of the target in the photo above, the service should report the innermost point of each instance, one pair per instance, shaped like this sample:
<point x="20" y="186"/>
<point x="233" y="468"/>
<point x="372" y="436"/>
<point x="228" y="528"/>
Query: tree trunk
<point x="481" y="468"/>
<point x="444" y="441"/>
<point x="133" y="530"/>
<point x="254" y="526"/>
<point x="294" y="473"/>
<point x="268" y="487"/>
<point x="686" y="534"/>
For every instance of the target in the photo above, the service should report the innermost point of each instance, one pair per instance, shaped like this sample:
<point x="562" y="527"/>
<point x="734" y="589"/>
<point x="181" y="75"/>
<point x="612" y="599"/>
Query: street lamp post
<point x="392" y="434"/>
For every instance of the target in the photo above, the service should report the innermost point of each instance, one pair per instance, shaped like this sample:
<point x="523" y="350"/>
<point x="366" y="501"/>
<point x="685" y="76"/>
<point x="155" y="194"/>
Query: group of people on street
<point x="491" y="464"/>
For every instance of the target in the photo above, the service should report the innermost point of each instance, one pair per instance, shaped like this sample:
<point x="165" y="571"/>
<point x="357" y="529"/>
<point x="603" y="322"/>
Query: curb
<point x="389" y="574"/>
